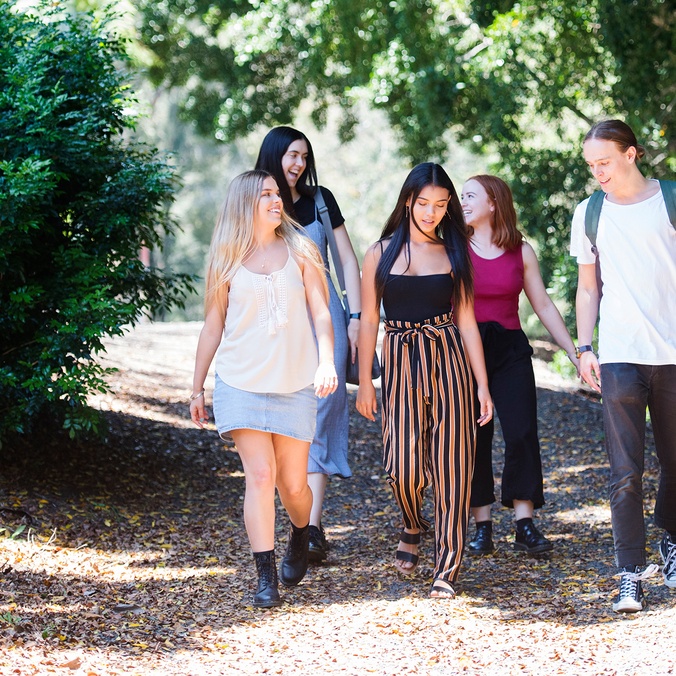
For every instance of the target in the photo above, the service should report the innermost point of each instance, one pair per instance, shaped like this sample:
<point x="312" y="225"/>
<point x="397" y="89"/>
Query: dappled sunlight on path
<point x="135" y="560"/>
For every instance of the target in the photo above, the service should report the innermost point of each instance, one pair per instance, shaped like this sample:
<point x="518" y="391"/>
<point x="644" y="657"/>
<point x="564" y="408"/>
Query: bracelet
<point x="355" y="315"/>
<point x="196" y="396"/>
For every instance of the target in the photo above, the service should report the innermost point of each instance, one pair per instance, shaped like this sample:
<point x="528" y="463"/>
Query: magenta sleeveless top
<point x="497" y="285"/>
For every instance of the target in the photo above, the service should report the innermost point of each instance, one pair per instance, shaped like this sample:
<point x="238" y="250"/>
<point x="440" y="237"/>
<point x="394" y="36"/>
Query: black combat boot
<point x="267" y="595"/>
<point x="482" y="542"/>
<point x="295" y="561"/>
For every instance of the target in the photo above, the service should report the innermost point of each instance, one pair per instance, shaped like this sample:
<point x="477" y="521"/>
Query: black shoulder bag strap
<point x="333" y="248"/>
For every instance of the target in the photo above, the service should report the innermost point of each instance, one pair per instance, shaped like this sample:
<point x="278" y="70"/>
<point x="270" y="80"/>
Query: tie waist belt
<point x="420" y="340"/>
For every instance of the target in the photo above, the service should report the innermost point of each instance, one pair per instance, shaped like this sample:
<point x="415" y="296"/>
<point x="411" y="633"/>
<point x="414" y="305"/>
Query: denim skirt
<point x="292" y="414"/>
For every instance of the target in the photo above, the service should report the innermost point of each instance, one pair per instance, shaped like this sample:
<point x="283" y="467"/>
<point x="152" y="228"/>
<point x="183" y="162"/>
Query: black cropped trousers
<point x="512" y="386"/>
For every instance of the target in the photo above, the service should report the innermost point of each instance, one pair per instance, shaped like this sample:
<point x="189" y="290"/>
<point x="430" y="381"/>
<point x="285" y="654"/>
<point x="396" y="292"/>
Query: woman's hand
<point x="353" y="338"/>
<point x="574" y="361"/>
<point x="326" y="380"/>
<point x="367" y="402"/>
<point x="198" y="412"/>
<point x="486" y="404"/>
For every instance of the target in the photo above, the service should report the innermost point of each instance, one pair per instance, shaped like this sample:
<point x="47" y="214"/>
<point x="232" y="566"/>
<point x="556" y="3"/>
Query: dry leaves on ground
<point x="129" y="556"/>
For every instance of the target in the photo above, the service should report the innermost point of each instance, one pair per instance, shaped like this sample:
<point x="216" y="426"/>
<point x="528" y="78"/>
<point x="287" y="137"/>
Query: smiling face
<point x="268" y="214"/>
<point x="609" y="165"/>
<point x="477" y="206"/>
<point x="429" y="208"/>
<point x="294" y="162"/>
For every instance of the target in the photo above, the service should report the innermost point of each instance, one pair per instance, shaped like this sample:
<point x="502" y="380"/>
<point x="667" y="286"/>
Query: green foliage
<point x="77" y="203"/>
<point x="11" y="619"/>
<point x="562" y="365"/>
<point x="520" y="80"/>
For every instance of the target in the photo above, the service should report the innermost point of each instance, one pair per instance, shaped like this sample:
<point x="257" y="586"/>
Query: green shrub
<point x="78" y="200"/>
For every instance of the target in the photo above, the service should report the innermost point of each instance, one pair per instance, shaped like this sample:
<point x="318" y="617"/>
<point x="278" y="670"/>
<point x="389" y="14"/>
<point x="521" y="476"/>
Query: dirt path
<point x="136" y="561"/>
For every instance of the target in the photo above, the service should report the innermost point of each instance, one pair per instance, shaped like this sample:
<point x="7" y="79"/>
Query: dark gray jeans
<point x="627" y="390"/>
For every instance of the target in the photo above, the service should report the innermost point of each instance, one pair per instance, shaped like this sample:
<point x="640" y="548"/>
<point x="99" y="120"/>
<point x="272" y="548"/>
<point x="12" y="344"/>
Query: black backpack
<point x="593" y="214"/>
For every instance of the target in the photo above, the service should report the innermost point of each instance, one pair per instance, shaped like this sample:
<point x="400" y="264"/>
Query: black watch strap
<point x="583" y="348"/>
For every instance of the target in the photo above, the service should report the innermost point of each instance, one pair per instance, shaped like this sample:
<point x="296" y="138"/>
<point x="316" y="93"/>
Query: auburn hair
<point x="505" y="233"/>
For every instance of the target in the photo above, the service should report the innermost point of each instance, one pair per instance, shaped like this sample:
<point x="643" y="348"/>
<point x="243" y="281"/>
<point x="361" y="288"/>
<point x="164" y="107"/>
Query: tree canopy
<point x="78" y="202"/>
<point x="523" y="81"/>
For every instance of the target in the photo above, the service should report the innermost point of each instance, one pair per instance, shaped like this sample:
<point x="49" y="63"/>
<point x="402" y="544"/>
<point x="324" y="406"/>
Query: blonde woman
<point x="265" y="290"/>
<point x="288" y="155"/>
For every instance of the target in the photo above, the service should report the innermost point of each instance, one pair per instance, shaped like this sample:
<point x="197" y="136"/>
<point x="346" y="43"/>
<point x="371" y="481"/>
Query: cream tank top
<point x="268" y="343"/>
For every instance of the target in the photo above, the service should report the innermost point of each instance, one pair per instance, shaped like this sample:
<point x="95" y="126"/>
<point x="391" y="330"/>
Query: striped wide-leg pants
<point x="429" y="430"/>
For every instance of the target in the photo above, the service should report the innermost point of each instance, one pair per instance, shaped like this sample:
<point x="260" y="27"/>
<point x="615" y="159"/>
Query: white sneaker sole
<point x="627" y="606"/>
<point x="671" y="583"/>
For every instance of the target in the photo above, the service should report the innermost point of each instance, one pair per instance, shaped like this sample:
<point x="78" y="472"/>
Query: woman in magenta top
<point x="504" y="265"/>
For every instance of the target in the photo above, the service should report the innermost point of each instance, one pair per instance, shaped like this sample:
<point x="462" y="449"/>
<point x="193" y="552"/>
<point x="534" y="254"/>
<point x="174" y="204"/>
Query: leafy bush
<point x="78" y="201"/>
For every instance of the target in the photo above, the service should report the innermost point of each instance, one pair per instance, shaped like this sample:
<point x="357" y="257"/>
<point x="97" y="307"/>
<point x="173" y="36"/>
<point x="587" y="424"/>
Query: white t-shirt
<point x="637" y="253"/>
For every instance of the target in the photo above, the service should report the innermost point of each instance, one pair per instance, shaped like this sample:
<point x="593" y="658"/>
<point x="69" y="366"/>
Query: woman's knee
<point x="260" y="477"/>
<point x="295" y="490"/>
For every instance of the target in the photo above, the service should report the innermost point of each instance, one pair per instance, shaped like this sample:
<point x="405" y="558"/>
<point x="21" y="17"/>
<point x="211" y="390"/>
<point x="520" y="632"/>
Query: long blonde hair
<point x="233" y="239"/>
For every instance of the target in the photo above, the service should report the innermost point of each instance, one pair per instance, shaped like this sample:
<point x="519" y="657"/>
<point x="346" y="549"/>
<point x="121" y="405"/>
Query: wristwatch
<point x="583" y="348"/>
<point x="355" y="315"/>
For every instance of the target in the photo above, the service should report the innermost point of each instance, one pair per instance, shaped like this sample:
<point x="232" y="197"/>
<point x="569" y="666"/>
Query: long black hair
<point x="274" y="147"/>
<point x="451" y="230"/>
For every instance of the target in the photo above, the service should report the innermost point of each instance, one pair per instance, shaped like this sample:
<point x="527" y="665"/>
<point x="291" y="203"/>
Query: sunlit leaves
<point x="77" y="204"/>
<point x="522" y="81"/>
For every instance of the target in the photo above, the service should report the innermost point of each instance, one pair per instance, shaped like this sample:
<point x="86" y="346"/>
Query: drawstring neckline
<point x="277" y="318"/>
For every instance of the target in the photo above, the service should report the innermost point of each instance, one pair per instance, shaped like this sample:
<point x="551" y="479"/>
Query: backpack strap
<point x="669" y="194"/>
<point x="592" y="215"/>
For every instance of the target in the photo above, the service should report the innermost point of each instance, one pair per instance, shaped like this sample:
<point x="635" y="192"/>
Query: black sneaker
<point x="318" y="547"/>
<point x="630" y="598"/>
<point x="530" y="539"/>
<point x="668" y="553"/>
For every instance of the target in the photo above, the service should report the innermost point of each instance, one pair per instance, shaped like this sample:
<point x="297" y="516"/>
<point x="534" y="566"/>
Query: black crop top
<point x="411" y="298"/>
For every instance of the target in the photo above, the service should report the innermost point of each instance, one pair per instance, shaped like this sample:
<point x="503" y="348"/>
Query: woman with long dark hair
<point x="287" y="154"/>
<point x="421" y="271"/>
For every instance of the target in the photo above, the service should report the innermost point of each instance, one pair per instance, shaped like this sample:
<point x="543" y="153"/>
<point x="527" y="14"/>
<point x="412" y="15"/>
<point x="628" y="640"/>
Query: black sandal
<point x="442" y="592"/>
<point x="409" y="539"/>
